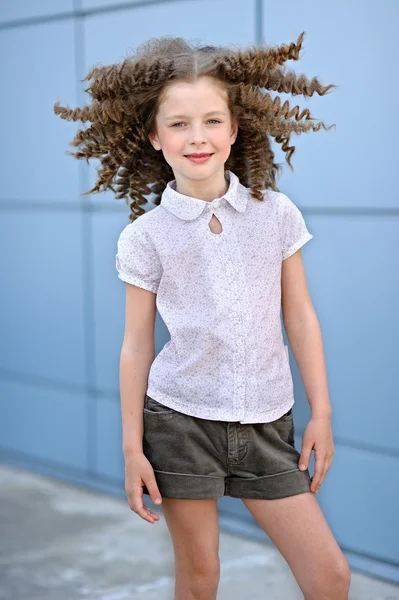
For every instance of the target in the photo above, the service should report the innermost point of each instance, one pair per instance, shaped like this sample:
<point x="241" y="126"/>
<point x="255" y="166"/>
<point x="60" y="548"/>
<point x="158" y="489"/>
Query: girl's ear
<point x="154" y="141"/>
<point x="234" y="132"/>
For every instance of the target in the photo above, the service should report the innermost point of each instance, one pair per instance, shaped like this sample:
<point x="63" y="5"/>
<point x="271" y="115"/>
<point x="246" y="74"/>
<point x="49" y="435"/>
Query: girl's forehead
<point x="183" y="93"/>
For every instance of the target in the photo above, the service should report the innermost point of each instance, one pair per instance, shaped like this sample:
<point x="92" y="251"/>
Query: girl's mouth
<point x="198" y="158"/>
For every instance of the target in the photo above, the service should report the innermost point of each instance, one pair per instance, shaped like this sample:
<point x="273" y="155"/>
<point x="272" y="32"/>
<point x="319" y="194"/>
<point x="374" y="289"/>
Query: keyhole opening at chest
<point x="215" y="225"/>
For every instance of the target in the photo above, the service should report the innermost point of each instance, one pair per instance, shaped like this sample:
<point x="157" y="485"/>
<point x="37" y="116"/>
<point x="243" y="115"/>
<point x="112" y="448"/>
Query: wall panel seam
<point x="81" y="13"/>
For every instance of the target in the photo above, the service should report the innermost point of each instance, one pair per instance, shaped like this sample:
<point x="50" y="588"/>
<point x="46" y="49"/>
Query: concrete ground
<point x="59" y="542"/>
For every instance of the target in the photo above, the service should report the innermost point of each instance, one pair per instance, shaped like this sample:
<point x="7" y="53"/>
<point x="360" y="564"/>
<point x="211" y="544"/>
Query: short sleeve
<point x="137" y="261"/>
<point x="293" y="231"/>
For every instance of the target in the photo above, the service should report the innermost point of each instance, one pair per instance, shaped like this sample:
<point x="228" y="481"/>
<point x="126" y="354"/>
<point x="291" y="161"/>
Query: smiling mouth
<point x="198" y="155"/>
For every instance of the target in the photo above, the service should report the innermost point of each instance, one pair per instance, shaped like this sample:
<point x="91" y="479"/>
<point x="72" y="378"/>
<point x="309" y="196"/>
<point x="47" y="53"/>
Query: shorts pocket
<point x="286" y="427"/>
<point x="152" y="406"/>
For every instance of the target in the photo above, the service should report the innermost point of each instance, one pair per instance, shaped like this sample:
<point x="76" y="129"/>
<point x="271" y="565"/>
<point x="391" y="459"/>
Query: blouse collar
<point x="189" y="208"/>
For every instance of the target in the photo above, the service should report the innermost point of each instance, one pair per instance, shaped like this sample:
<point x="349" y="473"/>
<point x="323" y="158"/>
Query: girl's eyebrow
<point x="212" y="112"/>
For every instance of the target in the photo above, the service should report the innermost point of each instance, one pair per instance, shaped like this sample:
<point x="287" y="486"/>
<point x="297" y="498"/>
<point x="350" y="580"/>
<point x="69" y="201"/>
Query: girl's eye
<point x="180" y="123"/>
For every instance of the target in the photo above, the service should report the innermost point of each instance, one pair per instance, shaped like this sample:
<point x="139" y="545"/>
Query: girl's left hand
<point x="318" y="437"/>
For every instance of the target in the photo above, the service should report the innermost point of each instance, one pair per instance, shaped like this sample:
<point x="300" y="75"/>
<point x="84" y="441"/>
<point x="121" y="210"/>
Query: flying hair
<point x="125" y="98"/>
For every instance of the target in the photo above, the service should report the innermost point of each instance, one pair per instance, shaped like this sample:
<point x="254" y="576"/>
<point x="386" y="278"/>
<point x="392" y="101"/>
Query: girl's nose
<point x="197" y="135"/>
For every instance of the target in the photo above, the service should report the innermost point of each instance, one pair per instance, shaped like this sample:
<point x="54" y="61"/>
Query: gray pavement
<point x="61" y="542"/>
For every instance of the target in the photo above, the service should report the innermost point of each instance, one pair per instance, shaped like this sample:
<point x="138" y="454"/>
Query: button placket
<point x="234" y="278"/>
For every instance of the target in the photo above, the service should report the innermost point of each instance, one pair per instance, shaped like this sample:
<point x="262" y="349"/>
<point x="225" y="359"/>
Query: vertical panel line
<point x="259" y="21"/>
<point x="89" y="333"/>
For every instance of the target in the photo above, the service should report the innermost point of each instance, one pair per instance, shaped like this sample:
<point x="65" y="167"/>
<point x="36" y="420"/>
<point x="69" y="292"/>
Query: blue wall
<point x="62" y="306"/>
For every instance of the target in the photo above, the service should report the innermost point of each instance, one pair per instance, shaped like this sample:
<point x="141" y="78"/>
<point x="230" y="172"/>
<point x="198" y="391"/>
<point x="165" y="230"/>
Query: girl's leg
<point x="194" y="529"/>
<point x="299" y="530"/>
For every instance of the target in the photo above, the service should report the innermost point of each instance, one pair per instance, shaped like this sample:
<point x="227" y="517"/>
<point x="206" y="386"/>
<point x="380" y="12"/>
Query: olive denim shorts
<point x="196" y="458"/>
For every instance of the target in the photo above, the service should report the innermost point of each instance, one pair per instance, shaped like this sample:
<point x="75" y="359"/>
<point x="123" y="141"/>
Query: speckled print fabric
<point x="219" y="295"/>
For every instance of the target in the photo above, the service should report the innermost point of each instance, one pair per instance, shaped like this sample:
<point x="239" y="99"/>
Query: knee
<point x="207" y="572"/>
<point x="203" y="584"/>
<point x="201" y="577"/>
<point x="341" y="576"/>
<point x="332" y="582"/>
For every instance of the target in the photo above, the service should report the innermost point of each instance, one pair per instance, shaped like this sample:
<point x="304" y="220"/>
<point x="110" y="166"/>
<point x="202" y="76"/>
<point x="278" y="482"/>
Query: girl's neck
<point x="205" y="189"/>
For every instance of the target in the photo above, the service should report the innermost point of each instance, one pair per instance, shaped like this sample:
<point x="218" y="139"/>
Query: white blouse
<point x="219" y="296"/>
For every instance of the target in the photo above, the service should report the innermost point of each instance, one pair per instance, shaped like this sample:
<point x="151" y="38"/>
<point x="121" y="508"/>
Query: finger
<point x="318" y="470"/>
<point x="137" y="505"/>
<point x="318" y="485"/>
<point x="304" y="459"/>
<point x="328" y="462"/>
<point x="151" y="514"/>
<point x="328" y="466"/>
<point x="153" y="490"/>
<point x="145" y="513"/>
<point x="320" y="462"/>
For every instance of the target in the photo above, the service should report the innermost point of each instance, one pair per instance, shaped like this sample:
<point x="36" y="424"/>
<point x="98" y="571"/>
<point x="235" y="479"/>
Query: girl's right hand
<point x="139" y="472"/>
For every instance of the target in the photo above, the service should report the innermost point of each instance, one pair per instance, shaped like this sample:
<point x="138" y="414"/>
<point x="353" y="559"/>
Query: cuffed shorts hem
<point x="269" y="487"/>
<point x="190" y="487"/>
<point x="200" y="487"/>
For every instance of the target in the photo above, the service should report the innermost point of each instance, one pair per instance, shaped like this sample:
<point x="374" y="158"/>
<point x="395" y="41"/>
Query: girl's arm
<point x="137" y="355"/>
<point x="304" y="334"/>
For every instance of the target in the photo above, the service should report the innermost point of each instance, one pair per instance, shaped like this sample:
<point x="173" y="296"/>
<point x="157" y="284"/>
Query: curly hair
<point x="125" y="98"/>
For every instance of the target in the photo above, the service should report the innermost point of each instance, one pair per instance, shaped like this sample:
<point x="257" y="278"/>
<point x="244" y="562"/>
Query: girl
<point x="219" y="256"/>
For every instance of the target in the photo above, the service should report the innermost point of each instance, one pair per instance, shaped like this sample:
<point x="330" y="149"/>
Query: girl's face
<point x="194" y="118"/>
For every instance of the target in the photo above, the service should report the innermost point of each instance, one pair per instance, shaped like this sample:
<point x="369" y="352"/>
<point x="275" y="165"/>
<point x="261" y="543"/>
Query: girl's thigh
<point x="194" y="529"/>
<point x="299" y="530"/>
